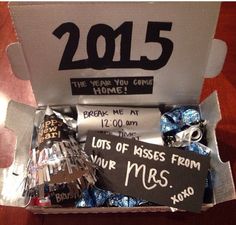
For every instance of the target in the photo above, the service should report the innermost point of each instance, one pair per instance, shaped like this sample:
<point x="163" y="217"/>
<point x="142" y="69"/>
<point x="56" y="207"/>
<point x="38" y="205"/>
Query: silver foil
<point x="60" y="159"/>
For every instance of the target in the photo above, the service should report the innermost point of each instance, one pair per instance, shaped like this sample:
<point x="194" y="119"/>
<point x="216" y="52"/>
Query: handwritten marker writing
<point x="183" y="195"/>
<point x="121" y="147"/>
<point x="189" y="163"/>
<point x="101" y="162"/>
<point x="100" y="143"/>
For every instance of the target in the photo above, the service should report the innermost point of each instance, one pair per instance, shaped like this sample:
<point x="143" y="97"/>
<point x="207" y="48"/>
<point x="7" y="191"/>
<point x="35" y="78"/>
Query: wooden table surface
<point x="225" y="84"/>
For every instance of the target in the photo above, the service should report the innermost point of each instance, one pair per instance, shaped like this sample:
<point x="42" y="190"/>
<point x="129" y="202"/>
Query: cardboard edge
<point x="223" y="183"/>
<point x="19" y="119"/>
<point x="104" y="210"/>
<point x="216" y="58"/>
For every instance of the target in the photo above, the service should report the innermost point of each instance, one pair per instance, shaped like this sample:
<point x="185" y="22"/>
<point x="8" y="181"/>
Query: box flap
<point x="20" y="120"/>
<point x="165" y="45"/>
<point x="224" y="189"/>
<point x="216" y="58"/>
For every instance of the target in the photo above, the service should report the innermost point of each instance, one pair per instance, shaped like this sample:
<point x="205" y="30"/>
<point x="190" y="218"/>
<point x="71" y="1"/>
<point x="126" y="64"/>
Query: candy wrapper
<point x="183" y="127"/>
<point x="118" y="200"/>
<point x="96" y="197"/>
<point x="93" y="197"/>
<point x="58" y="167"/>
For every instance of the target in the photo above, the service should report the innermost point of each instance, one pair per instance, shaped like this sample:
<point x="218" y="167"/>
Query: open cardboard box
<point x="180" y="52"/>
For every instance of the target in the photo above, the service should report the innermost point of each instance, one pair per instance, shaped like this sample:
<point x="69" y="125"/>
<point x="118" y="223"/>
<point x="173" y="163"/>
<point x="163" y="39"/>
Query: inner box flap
<point x="20" y="120"/>
<point x="158" y="51"/>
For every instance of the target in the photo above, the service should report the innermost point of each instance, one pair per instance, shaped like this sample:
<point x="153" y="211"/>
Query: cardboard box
<point x="170" y="44"/>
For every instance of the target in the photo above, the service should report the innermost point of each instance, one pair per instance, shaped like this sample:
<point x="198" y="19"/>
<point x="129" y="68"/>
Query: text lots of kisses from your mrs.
<point x="166" y="176"/>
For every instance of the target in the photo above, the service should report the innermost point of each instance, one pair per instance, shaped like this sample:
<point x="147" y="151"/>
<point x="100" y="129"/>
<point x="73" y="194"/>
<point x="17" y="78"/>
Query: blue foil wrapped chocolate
<point x="86" y="200"/>
<point x="96" y="197"/>
<point x="119" y="200"/>
<point x="99" y="196"/>
<point x="177" y="119"/>
<point x="198" y="148"/>
<point x="190" y="116"/>
<point x="167" y="125"/>
<point x="181" y="126"/>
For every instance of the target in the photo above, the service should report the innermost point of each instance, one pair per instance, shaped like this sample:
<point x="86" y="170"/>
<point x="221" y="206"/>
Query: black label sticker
<point x="167" y="176"/>
<point x="51" y="129"/>
<point x="112" y="86"/>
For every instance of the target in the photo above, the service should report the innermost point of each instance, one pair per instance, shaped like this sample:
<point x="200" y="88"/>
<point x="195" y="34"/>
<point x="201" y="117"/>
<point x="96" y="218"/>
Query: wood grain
<point x="225" y="84"/>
